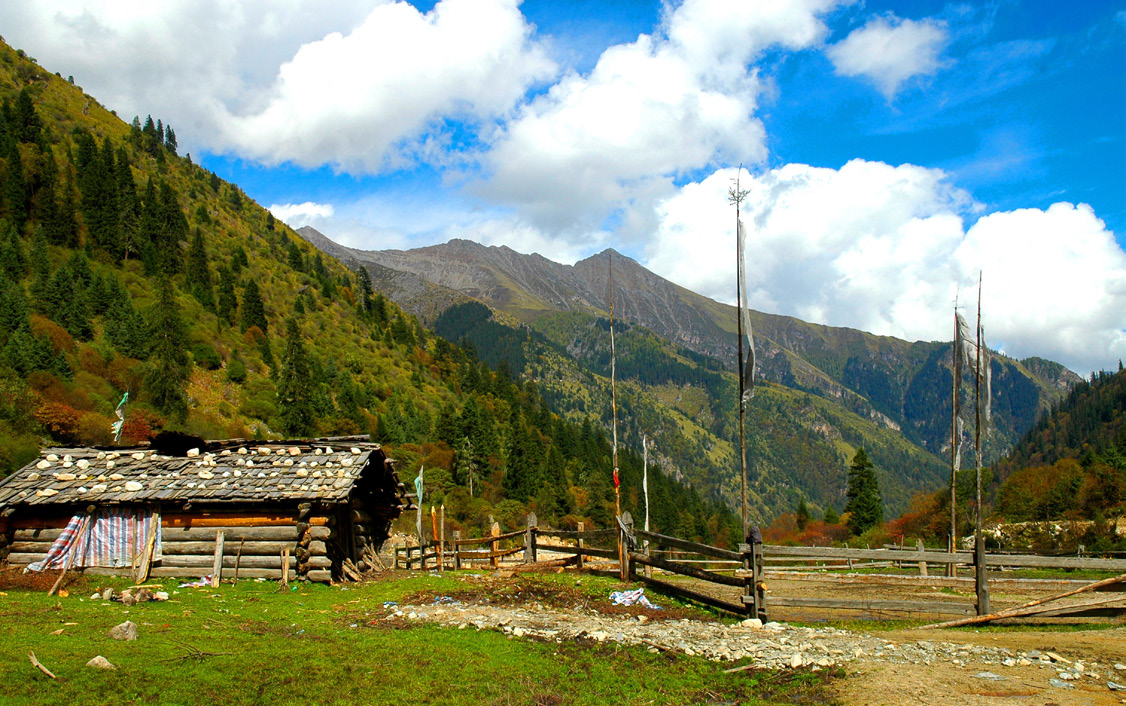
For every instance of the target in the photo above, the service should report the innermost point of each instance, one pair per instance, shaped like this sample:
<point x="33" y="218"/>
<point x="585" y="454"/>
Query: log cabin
<point x="316" y="510"/>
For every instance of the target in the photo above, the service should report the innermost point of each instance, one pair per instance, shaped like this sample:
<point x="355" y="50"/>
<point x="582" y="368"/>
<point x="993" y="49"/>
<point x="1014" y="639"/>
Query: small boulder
<point x="144" y="595"/>
<point x="107" y="595"/>
<point x="100" y="662"/>
<point x="127" y="598"/>
<point x="125" y="631"/>
<point x="753" y="623"/>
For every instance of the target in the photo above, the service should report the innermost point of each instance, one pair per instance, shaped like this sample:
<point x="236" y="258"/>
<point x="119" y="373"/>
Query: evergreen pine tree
<point x="831" y="516"/>
<point x="802" y="515"/>
<point x="199" y="273"/>
<point x="168" y="368"/>
<point x="253" y="311"/>
<point x="227" y="306"/>
<point x="13" y="261"/>
<point x="865" y="506"/>
<point x="294" y="386"/>
<point x="15" y="193"/>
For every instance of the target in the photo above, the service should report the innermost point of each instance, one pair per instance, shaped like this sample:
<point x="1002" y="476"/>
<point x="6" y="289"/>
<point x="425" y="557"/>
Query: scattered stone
<point x="125" y="631"/>
<point x="1060" y="684"/>
<point x="144" y="595"/>
<point x="107" y="595"/>
<point x="100" y="662"/>
<point x="1056" y="658"/>
<point x="796" y="660"/>
<point x="1119" y="667"/>
<point x="753" y="623"/>
<point x="1115" y="686"/>
<point x="990" y="676"/>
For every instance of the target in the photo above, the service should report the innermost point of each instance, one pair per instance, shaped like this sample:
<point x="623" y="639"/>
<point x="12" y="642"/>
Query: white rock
<point x="139" y="456"/>
<point x="110" y="464"/>
<point x="356" y="450"/>
<point x="67" y="459"/>
<point x="116" y="476"/>
<point x="124" y="631"/>
<point x="46" y="493"/>
<point x="83" y="464"/>
<point x="133" y="486"/>
<point x="99" y="488"/>
<point x="192" y="453"/>
<point x="753" y="623"/>
<point x="44" y="464"/>
<point x="263" y="451"/>
<point x="100" y="662"/>
<point x="52" y="457"/>
<point x="66" y="476"/>
<point x="796" y="660"/>
<point x="294" y="451"/>
<point x="33" y="476"/>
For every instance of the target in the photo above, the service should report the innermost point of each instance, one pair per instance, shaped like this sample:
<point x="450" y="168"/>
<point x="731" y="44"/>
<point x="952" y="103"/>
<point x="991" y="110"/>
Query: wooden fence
<point x="745" y="569"/>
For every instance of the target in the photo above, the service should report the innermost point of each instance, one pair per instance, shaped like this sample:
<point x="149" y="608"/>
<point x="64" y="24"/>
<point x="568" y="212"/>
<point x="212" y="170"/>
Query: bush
<point x="236" y="371"/>
<point x="59" y="421"/>
<point x="206" y="357"/>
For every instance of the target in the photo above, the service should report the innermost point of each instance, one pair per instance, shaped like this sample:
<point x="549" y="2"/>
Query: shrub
<point x="236" y="371"/>
<point x="205" y="356"/>
<point x="59" y="421"/>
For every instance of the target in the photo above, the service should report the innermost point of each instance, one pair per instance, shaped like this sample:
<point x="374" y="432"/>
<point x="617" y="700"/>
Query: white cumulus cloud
<point x="648" y="111"/>
<point x="889" y="51"/>
<point x="371" y="97"/>
<point x="884" y="249"/>
<point x="297" y="214"/>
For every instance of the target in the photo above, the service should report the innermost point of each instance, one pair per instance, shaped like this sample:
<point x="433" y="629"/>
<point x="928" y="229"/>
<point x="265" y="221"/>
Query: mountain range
<point x="824" y="391"/>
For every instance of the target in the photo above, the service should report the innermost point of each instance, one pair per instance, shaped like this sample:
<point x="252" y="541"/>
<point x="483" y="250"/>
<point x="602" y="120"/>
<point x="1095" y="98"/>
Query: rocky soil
<point x="942" y="667"/>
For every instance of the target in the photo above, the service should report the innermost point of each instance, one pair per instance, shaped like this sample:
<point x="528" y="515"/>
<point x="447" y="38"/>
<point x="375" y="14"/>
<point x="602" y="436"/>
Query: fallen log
<point x="1024" y="610"/>
<point x="548" y="564"/>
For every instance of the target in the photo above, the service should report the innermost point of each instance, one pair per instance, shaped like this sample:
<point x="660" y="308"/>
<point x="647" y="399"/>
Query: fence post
<point x="493" y="546"/>
<point x="395" y="554"/>
<point x="457" y="550"/>
<point x="760" y="583"/>
<point x="951" y="567"/>
<point x="625" y="530"/>
<point x="581" y="527"/>
<point x="530" y="540"/>
<point x="922" y="564"/>
<point x="749" y="579"/>
<point x="442" y="538"/>
<point x="981" y="582"/>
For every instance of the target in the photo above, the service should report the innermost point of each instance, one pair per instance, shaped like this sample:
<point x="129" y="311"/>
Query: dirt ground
<point x="1098" y="642"/>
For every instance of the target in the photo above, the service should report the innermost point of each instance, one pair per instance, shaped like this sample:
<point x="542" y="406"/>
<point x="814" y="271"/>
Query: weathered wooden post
<point x="581" y="527"/>
<point x="759" y="574"/>
<point x="951" y="567"/>
<point x="981" y="581"/>
<point x="749" y="577"/>
<point x="922" y="564"/>
<point x="530" y="540"/>
<point x="442" y="536"/>
<point x="494" y="547"/>
<point x="625" y="539"/>
<point x="435" y="535"/>
<point x="217" y="564"/>
<point x="457" y="550"/>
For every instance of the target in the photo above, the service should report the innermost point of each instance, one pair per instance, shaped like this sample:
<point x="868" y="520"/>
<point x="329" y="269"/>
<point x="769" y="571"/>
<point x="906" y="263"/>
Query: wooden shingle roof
<point x="265" y="472"/>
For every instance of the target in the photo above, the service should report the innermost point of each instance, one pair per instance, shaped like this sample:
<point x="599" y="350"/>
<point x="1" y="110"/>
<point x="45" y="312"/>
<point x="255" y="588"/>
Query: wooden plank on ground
<point x="1027" y="608"/>
<point x="688" y="594"/>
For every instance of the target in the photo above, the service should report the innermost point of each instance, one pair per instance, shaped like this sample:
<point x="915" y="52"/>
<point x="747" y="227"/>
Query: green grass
<point x="326" y="645"/>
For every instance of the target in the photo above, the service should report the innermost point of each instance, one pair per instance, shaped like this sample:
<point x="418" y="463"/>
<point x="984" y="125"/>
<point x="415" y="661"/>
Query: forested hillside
<point x="1072" y="463"/>
<point x="128" y="269"/>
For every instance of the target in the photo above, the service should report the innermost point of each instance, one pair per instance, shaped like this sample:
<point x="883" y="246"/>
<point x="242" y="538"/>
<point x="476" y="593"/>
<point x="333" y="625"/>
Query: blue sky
<point x="892" y="150"/>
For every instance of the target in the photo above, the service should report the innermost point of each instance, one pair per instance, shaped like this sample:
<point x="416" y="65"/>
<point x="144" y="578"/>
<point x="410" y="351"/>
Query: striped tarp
<point x="111" y="538"/>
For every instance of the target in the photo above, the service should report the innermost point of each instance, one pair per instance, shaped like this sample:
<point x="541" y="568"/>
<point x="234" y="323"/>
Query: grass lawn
<point x="317" y="644"/>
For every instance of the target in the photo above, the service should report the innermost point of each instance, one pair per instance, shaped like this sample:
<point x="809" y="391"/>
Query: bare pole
<point x="614" y="394"/>
<point x="954" y="370"/>
<point x="979" y="541"/>
<point x="736" y="196"/>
